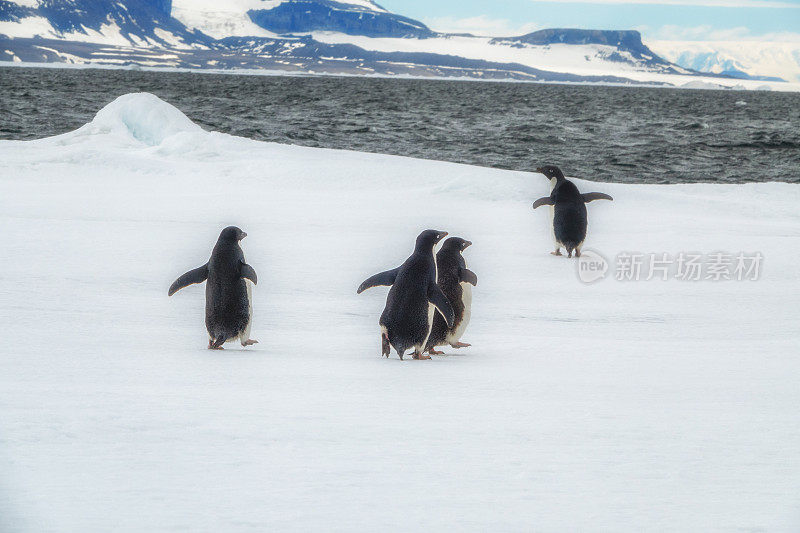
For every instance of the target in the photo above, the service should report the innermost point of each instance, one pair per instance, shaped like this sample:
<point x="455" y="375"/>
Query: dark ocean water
<point x="633" y="135"/>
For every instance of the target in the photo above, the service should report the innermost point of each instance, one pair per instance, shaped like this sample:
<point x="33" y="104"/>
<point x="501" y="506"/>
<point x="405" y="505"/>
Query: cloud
<point x="707" y="33"/>
<point x="778" y="37"/>
<point x="480" y="25"/>
<point x="703" y="32"/>
<point x="766" y="4"/>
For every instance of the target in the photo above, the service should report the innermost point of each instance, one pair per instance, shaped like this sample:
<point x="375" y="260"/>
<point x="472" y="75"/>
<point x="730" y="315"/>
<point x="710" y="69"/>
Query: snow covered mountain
<point x="259" y="18"/>
<point x="629" y="42"/>
<point x="618" y="46"/>
<point x="362" y="18"/>
<point x="342" y="36"/>
<point x="143" y="22"/>
<point x="748" y="59"/>
<point x="146" y="23"/>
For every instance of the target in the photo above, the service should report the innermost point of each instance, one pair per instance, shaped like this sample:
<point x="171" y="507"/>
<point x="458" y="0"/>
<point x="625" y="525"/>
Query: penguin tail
<point x="390" y="340"/>
<point x="570" y="247"/>
<point x="401" y="350"/>
<point x="217" y="343"/>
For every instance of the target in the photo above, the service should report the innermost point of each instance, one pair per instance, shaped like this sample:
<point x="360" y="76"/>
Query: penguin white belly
<point x="246" y="333"/>
<point x="431" y="307"/>
<point x="553" y="182"/>
<point x="553" y="225"/>
<point x="431" y="312"/>
<point x="466" y="297"/>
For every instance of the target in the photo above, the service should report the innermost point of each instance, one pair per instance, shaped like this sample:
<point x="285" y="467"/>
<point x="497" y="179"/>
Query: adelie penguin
<point x="413" y="299"/>
<point x="456" y="282"/>
<point x="229" y="303"/>
<point x="567" y="210"/>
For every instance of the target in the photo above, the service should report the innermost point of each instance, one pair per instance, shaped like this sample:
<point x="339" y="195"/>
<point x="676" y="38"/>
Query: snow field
<point x="641" y="406"/>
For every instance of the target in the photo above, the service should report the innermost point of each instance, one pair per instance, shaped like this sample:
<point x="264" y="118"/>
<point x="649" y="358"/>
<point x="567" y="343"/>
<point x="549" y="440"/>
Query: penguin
<point x="456" y="282"/>
<point x="229" y="301"/>
<point x="413" y="299"/>
<point x="567" y="210"/>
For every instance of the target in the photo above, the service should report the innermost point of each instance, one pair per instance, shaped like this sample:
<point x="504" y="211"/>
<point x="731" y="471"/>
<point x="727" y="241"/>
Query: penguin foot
<point x="461" y="345"/>
<point x="213" y="346"/>
<point x="385" y="346"/>
<point x="433" y="351"/>
<point x="421" y="356"/>
<point x="557" y="252"/>
<point x="249" y="342"/>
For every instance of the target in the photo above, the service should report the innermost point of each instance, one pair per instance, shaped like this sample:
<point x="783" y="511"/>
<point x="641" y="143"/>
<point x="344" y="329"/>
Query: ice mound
<point x="143" y="116"/>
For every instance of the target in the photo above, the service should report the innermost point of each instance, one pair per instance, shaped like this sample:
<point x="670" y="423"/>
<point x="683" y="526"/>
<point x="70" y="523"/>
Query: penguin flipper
<point x="467" y="276"/>
<point x="442" y="304"/>
<point x="589" y="196"/>
<point x="247" y="272"/>
<point x="384" y="278"/>
<point x="198" y="275"/>
<point x="543" y="201"/>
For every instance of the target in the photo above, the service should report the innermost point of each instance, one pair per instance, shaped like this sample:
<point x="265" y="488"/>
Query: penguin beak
<point x="539" y="170"/>
<point x="442" y="235"/>
<point x="244" y="235"/>
<point x="467" y="244"/>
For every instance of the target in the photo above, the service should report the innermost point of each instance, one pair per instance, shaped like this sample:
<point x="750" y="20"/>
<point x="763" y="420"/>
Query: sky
<point x="702" y="20"/>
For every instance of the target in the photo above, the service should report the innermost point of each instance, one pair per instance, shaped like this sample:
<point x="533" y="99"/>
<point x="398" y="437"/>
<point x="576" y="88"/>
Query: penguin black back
<point x="228" y="306"/>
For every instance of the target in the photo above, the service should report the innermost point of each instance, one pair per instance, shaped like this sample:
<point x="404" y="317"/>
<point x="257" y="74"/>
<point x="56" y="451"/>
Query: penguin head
<point x="232" y="234"/>
<point x="551" y="172"/>
<point x="456" y="244"/>
<point x="429" y="238"/>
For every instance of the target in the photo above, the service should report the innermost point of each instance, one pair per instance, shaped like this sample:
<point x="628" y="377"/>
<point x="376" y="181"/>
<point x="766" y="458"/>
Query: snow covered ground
<point x="616" y="406"/>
